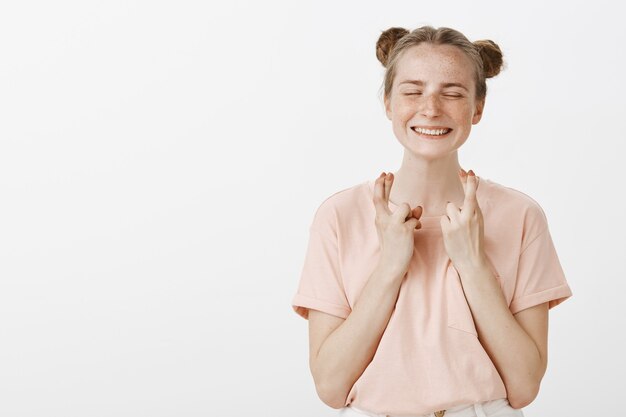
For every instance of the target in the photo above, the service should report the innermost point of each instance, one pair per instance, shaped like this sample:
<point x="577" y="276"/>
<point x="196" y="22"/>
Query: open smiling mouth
<point x="432" y="134"/>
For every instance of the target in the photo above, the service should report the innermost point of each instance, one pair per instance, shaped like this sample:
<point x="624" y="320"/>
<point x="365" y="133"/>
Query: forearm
<point x="349" y="349"/>
<point x="511" y="349"/>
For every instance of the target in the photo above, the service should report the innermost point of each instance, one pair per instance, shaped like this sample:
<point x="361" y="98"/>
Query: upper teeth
<point x="431" y="132"/>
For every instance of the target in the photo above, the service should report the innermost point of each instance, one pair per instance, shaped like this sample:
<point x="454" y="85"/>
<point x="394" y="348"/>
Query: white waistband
<point x="481" y="409"/>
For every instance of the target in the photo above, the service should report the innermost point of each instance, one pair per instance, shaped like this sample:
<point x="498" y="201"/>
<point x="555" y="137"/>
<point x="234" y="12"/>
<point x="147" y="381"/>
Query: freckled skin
<point x="434" y="64"/>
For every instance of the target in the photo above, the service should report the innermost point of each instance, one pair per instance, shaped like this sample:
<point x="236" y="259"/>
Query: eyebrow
<point x="420" y="82"/>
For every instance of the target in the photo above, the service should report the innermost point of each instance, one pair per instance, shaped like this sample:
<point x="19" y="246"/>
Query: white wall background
<point x="161" y="161"/>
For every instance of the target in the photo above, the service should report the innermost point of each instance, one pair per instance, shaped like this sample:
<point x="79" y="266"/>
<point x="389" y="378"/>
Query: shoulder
<point x="339" y="204"/>
<point x="511" y="203"/>
<point x="511" y="197"/>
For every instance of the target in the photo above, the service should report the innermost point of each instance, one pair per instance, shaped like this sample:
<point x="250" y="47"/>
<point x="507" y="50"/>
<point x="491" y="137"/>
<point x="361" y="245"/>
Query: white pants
<point x="494" y="408"/>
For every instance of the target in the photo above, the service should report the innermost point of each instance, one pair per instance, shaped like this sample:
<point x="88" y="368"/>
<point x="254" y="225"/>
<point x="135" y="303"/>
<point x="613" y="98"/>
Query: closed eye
<point x="446" y="95"/>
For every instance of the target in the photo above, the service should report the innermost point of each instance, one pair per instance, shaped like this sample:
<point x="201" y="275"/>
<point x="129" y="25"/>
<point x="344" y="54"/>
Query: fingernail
<point x="472" y="173"/>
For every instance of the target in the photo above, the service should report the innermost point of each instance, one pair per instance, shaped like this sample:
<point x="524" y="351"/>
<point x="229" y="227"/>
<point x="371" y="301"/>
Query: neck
<point x="428" y="183"/>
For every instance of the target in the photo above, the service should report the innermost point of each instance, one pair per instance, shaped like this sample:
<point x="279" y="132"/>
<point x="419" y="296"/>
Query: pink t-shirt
<point x="429" y="357"/>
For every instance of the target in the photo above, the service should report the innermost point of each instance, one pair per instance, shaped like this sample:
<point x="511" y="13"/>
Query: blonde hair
<point x="485" y="55"/>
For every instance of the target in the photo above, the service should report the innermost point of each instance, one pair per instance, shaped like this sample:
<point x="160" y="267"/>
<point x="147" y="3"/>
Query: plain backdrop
<point x="161" y="161"/>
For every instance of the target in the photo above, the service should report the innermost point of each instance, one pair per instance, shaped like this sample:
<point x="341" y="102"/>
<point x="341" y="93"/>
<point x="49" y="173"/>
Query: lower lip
<point x="432" y="137"/>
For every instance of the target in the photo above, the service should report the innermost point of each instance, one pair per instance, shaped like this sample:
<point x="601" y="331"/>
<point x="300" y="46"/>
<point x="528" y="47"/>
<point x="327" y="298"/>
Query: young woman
<point x="427" y="290"/>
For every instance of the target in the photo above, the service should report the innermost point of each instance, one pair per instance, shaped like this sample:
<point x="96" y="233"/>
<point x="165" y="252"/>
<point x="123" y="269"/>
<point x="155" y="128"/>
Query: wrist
<point x="479" y="265"/>
<point x="389" y="271"/>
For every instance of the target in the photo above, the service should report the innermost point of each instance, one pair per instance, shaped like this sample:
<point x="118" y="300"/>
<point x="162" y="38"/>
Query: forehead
<point x="435" y="64"/>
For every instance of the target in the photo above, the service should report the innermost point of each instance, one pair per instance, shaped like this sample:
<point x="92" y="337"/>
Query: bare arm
<point x="341" y="350"/>
<point x="517" y="345"/>
<point x="346" y="352"/>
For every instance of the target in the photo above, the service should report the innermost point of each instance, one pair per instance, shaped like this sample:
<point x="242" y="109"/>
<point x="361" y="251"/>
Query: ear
<point x="478" y="112"/>
<point x="388" y="108"/>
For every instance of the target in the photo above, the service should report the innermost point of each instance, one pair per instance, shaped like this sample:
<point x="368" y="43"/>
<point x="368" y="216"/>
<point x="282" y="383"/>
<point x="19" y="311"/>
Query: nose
<point x="430" y="106"/>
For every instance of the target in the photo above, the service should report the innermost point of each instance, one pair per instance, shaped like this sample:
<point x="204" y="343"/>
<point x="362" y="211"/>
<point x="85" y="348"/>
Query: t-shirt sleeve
<point x="540" y="276"/>
<point x="321" y="286"/>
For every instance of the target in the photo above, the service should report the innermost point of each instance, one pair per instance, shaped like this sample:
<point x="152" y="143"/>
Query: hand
<point x="395" y="230"/>
<point x="462" y="229"/>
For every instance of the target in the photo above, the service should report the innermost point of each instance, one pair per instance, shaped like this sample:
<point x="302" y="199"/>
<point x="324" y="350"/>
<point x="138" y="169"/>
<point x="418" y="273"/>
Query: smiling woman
<point x="427" y="290"/>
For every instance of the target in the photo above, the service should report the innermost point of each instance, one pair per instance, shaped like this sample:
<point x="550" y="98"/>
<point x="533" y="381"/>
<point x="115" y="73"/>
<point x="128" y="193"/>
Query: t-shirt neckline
<point x="427" y="222"/>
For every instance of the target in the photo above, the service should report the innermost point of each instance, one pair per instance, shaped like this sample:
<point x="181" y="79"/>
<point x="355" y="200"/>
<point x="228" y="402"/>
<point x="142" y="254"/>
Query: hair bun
<point x="491" y="55"/>
<point x="386" y="42"/>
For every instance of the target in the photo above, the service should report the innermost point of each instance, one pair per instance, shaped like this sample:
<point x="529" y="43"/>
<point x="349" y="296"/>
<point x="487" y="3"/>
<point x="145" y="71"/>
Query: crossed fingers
<point x="382" y="189"/>
<point x="470" y="204"/>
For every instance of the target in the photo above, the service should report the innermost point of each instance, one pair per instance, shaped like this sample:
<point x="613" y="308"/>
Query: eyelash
<point x="448" y="95"/>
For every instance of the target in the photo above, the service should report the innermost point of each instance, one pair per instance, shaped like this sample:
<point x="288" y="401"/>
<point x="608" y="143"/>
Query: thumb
<point x="413" y="223"/>
<point x="417" y="212"/>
